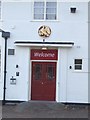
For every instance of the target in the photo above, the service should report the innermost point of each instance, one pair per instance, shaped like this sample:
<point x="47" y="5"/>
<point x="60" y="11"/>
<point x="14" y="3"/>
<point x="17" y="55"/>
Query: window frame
<point x="51" y="7"/>
<point x="45" y="1"/>
<point x="78" y="70"/>
<point x="39" y="8"/>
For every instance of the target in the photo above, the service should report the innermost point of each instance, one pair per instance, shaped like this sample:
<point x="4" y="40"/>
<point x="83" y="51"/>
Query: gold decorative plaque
<point x="44" y="31"/>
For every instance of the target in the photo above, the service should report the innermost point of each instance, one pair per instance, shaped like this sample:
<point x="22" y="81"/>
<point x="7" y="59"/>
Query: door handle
<point x="42" y="83"/>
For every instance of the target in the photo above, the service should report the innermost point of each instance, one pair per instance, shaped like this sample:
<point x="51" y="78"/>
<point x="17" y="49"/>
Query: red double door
<point x="43" y="81"/>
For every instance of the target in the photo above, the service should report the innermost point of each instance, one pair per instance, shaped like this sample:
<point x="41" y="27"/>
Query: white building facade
<point x="47" y="52"/>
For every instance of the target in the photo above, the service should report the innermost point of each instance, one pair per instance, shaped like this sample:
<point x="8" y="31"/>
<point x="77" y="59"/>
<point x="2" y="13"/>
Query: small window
<point x="45" y="10"/>
<point x="37" y="72"/>
<point x="51" y="10"/>
<point x="38" y="10"/>
<point x="11" y="51"/>
<point x="50" y="72"/>
<point x="78" y="64"/>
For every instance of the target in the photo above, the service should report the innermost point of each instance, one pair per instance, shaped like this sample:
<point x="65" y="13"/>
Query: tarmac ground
<point x="0" y="110"/>
<point x="39" y="109"/>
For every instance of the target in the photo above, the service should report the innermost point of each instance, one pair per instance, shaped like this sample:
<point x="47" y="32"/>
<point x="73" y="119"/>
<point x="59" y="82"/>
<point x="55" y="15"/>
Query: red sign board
<point x="44" y="54"/>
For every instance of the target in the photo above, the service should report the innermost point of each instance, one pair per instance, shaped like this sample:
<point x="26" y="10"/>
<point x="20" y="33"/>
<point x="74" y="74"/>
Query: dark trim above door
<point x="53" y="44"/>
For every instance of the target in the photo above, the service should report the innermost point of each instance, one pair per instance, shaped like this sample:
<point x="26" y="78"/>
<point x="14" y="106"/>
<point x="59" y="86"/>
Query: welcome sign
<point x="44" y="54"/>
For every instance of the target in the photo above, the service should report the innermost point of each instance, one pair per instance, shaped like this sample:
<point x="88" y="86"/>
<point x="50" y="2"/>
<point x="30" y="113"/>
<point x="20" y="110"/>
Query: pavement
<point x="0" y="110"/>
<point x="44" y="109"/>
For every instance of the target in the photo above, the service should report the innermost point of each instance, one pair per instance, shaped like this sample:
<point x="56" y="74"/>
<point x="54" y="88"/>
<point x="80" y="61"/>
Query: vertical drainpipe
<point x="5" y="35"/>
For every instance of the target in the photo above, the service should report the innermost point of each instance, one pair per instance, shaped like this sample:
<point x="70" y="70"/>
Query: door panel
<point x="36" y="80"/>
<point x="43" y="81"/>
<point x="50" y="81"/>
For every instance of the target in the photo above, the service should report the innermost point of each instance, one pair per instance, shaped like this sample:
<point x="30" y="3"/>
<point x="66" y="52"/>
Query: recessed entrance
<point x="43" y="81"/>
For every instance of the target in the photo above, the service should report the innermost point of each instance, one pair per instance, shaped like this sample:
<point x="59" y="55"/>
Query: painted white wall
<point x="88" y="53"/>
<point x="17" y="18"/>
<point x="73" y="84"/>
<point x="20" y="90"/>
<point x="62" y="91"/>
<point x="2" y="68"/>
<point x="77" y="85"/>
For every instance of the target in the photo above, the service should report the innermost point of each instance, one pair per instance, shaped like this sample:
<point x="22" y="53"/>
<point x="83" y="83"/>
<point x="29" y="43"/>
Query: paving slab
<point x="35" y="109"/>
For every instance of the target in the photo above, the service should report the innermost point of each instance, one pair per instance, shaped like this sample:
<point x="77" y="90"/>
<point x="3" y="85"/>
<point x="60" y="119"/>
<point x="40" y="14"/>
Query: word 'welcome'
<point x="42" y="54"/>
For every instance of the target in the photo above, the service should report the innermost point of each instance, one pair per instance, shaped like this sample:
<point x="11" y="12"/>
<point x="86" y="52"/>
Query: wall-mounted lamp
<point x="73" y="10"/>
<point x="5" y="35"/>
<point x="17" y="66"/>
<point x="44" y="48"/>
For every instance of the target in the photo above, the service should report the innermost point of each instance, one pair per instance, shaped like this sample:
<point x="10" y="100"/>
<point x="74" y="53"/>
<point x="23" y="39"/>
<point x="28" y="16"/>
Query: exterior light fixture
<point x="44" y="48"/>
<point x="5" y="35"/>
<point x="73" y="10"/>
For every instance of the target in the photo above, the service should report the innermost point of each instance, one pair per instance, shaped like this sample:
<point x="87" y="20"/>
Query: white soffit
<point x="46" y="44"/>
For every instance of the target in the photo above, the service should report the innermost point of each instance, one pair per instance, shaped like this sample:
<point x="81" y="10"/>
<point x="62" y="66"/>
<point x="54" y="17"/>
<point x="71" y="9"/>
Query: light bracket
<point x="5" y="34"/>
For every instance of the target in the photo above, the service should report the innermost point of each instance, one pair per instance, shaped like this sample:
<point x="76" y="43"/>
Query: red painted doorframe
<point x="43" y="81"/>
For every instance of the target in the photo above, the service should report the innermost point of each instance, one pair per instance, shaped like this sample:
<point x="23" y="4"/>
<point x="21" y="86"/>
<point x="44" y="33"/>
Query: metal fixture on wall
<point x="5" y="35"/>
<point x="73" y="9"/>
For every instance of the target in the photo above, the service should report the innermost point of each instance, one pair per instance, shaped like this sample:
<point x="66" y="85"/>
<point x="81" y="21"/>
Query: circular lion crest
<point x="44" y="31"/>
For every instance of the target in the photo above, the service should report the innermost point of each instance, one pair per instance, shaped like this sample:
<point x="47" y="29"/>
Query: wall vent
<point x="11" y="51"/>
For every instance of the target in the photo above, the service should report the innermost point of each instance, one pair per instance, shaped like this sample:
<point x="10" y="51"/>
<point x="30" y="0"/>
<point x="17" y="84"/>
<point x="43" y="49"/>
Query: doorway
<point x="43" y="81"/>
